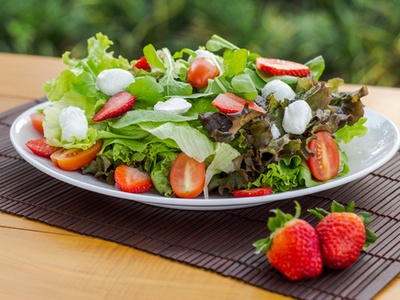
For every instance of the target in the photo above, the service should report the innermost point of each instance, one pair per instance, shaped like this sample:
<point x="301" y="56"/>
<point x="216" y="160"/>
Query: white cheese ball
<point x="113" y="81"/>
<point x="279" y="89"/>
<point x="296" y="117"/>
<point x="73" y="123"/>
<point x="174" y="105"/>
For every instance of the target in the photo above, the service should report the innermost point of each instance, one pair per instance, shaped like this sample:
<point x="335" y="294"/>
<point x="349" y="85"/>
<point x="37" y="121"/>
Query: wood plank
<point x="53" y="264"/>
<point x="22" y="76"/>
<point x="7" y="103"/>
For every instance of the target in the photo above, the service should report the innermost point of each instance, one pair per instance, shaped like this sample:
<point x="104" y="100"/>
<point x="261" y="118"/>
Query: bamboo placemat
<point x="220" y="241"/>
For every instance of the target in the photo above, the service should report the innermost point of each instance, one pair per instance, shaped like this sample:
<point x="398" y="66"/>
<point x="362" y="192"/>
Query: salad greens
<point x="239" y="149"/>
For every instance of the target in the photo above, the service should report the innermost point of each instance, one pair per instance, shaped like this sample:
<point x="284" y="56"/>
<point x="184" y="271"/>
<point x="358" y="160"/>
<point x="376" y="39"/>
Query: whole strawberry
<point x="342" y="234"/>
<point x="292" y="248"/>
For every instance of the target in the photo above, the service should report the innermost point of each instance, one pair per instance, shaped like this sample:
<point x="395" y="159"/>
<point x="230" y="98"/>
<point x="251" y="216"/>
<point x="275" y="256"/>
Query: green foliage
<point x="359" y="39"/>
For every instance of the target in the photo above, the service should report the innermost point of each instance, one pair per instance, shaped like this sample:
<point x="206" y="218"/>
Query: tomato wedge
<point x="37" y="121"/>
<point x="324" y="165"/>
<point x="200" y="70"/>
<point x="187" y="176"/>
<point x="74" y="159"/>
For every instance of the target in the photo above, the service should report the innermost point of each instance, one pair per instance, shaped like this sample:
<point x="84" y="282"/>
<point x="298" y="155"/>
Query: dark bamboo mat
<point x="220" y="241"/>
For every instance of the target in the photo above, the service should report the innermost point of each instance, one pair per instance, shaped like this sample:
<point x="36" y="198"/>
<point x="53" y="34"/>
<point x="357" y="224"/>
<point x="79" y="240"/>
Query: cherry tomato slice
<point x="324" y="165"/>
<point x="37" y="121"/>
<point x="187" y="176"/>
<point x="74" y="159"/>
<point x="200" y="70"/>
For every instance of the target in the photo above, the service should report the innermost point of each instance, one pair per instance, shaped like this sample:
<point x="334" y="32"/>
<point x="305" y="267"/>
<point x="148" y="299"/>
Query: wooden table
<point x="38" y="261"/>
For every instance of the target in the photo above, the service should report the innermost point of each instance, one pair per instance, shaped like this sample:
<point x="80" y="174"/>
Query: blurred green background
<point x="359" y="39"/>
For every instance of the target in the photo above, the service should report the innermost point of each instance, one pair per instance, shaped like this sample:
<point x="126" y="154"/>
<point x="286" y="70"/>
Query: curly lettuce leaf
<point x="152" y="156"/>
<point x="348" y="132"/>
<point x="76" y="86"/>
<point x="223" y="127"/>
<point x="99" y="57"/>
<point x="288" y="174"/>
<point x="348" y="105"/>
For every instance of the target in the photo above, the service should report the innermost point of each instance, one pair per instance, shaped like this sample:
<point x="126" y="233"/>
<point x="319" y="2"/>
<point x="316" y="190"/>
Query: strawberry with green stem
<point x="293" y="247"/>
<point x="342" y="234"/>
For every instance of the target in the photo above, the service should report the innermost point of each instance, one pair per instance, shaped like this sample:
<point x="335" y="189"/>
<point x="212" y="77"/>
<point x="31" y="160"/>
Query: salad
<point x="217" y="119"/>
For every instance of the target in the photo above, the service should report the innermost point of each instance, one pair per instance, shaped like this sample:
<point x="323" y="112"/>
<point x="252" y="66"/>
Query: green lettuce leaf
<point x="222" y="162"/>
<point x="348" y="132"/>
<point x="140" y="115"/>
<point x="317" y="66"/>
<point x="217" y="43"/>
<point x="147" y="92"/>
<point x="288" y="174"/>
<point x="190" y="140"/>
<point x="53" y="132"/>
<point x="172" y="86"/>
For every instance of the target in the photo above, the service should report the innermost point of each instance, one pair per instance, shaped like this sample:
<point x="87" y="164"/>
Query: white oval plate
<point x="365" y="155"/>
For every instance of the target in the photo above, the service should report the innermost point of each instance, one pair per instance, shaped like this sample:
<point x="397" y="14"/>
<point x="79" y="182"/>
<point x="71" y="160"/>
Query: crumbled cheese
<point x="174" y="105"/>
<point x="275" y="132"/>
<point x="73" y="123"/>
<point x="296" y="117"/>
<point x="113" y="81"/>
<point x="204" y="53"/>
<point x="279" y="89"/>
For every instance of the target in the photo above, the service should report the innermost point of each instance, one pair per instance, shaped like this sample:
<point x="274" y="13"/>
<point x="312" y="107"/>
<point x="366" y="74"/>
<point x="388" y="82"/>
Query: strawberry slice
<point x="143" y="64"/>
<point x="279" y="67"/>
<point x="255" y="192"/>
<point x="229" y="103"/>
<point x="132" y="180"/>
<point x="115" y="107"/>
<point x="40" y="147"/>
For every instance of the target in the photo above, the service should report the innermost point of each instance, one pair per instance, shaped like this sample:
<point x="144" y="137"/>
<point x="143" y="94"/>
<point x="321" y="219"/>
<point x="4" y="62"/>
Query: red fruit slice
<point x="279" y="67"/>
<point x="40" y="147"/>
<point x="37" y="121"/>
<point x="324" y="165"/>
<point x="143" y="64"/>
<point x="115" y="107"/>
<point x="132" y="180"/>
<point x="229" y="103"/>
<point x="187" y="176"/>
<point x="75" y="158"/>
<point x="263" y="191"/>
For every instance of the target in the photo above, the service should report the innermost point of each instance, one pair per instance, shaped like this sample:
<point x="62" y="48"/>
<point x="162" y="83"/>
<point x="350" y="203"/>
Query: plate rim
<point x="214" y="203"/>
